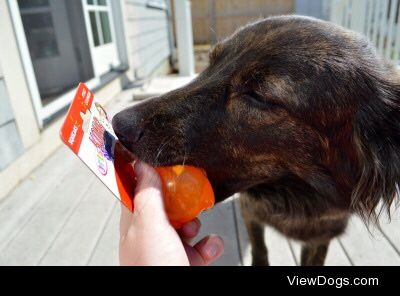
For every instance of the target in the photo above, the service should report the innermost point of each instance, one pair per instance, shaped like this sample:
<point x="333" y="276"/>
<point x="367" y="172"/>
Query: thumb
<point x="148" y="199"/>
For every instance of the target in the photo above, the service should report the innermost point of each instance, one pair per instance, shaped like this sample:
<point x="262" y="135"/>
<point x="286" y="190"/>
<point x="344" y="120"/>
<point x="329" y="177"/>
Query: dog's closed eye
<point x="261" y="101"/>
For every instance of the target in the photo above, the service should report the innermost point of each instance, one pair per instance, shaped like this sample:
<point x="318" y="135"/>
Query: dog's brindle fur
<point x="299" y="115"/>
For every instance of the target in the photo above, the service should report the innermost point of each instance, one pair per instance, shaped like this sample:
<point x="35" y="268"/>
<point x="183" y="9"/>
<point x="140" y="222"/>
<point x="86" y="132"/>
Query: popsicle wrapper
<point x="94" y="142"/>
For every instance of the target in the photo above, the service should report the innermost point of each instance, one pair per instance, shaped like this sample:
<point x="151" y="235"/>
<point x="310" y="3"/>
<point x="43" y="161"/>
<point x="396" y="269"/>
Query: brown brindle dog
<point x="299" y="115"/>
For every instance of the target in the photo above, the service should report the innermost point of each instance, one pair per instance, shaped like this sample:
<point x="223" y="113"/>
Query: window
<point x="59" y="48"/>
<point x="100" y="27"/>
<point x="100" y="22"/>
<point x="33" y="3"/>
<point x="39" y="28"/>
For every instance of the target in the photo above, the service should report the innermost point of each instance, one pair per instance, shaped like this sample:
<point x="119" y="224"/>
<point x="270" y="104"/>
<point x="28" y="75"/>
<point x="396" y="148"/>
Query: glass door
<point x="48" y="33"/>
<point x="63" y="42"/>
<point x="100" y="26"/>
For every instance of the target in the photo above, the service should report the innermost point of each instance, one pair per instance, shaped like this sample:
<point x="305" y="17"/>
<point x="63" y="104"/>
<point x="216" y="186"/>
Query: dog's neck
<point x="291" y="195"/>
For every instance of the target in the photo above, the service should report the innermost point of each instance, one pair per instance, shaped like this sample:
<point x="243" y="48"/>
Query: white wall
<point x="10" y="146"/>
<point x="147" y="36"/>
<point x="15" y="80"/>
<point x="314" y="8"/>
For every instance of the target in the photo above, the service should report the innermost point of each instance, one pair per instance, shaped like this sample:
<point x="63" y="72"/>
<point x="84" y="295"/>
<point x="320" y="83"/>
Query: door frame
<point x="45" y="112"/>
<point x="96" y="50"/>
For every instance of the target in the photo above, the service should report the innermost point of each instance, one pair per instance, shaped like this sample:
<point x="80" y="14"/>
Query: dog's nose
<point x="127" y="128"/>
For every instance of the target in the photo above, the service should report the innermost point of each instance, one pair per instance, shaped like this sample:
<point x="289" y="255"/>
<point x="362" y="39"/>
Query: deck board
<point x="366" y="248"/>
<point x="77" y="239"/>
<point x="35" y="236"/>
<point x="19" y="205"/>
<point x="221" y="220"/>
<point x="391" y="228"/>
<point x="278" y="247"/>
<point x="335" y="256"/>
<point x="106" y="251"/>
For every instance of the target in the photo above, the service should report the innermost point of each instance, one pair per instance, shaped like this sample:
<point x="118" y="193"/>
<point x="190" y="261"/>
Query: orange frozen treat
<point x="187" y="192"/>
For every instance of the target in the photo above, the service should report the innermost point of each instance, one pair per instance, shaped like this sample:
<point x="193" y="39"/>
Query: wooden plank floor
<point x="358" y="246"/>
<point x="53" y="218"/>
<point x="62" y="215"/>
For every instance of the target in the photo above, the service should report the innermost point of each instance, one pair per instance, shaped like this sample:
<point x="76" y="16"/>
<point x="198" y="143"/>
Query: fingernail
<point x="192" y="226"/>
<point x="212" y="250"/>
<point x="138" y="169"/>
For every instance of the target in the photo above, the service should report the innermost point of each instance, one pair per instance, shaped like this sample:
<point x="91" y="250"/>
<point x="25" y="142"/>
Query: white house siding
<point x="318" y="9"/>
<point x="147" y="33"/>
<point x="10" y="146"/>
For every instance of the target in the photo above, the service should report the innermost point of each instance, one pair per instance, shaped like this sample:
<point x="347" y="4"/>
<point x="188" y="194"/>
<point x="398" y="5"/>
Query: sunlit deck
<point x="62" y="215"/>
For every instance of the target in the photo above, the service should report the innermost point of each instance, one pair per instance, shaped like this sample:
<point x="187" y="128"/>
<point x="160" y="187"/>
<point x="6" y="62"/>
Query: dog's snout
<point x="127" y="128"/>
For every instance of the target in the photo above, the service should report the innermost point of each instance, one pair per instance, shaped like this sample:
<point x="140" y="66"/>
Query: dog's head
<point x="285" y="96"/>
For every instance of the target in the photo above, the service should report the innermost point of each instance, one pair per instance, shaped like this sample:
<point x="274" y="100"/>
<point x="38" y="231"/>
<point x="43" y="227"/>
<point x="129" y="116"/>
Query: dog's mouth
<point x="157" y="154"/>
<point x="157" y="158"/>
<point x="221" y="191"/>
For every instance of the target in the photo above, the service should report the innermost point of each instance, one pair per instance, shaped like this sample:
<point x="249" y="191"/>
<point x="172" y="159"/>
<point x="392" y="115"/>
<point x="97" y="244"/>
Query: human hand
<point x="147" y="237"/>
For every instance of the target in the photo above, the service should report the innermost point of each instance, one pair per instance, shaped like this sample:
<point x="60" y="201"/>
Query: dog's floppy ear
<point x="377" y="138"/>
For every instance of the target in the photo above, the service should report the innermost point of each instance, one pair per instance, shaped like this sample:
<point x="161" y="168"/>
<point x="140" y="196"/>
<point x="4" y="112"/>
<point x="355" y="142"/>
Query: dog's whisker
<point x="184" y="157"/>
<point x="161" y="148"/>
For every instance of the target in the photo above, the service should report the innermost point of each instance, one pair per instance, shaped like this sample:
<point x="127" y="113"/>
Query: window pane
<point x="96" y="39"/>
<point x="105" y="26"/>
<point x="32" y="3"/>
<point x="90" y="2"/>
<point x="40" y="35"/>
<point x="102" y="2"/>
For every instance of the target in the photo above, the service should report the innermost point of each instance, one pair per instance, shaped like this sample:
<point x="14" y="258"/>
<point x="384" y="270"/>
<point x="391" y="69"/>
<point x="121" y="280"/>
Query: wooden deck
<point x="62" y="215"/>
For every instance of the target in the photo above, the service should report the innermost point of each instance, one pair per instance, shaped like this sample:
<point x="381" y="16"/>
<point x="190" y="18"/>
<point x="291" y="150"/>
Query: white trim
<point x="65" y="99"/>
<point x="184" y="37"/>
<point x="26" y="60"/>
<point x="390" y="30"/>
<point x="114" y="39"/>
<point x="120" y="31"/>
<point x="89" y="32"/>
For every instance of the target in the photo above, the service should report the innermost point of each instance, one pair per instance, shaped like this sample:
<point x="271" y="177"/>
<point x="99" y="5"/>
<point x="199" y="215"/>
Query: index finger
<point x="190" y="230"/>
<point x="125" y="221"/>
